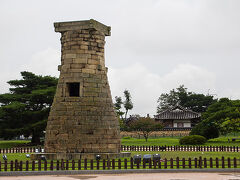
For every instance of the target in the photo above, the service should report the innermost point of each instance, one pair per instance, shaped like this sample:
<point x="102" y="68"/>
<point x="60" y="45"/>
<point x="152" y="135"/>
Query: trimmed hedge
<point x="192" y="140"/>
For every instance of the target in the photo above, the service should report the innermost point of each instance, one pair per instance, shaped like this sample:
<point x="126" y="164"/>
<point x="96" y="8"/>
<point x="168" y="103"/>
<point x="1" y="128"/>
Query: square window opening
<point x="73" y="89"/>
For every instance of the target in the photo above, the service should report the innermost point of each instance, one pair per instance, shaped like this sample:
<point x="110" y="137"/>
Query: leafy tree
<point x="24" y="110"/>
<point x="118" y="106"/>
<point x="230" y="125"/>
<point x="127" y="104"/>
<point x="145" y="126"/>
<point x="191" y="100"/>
<point x="223" y="115"/>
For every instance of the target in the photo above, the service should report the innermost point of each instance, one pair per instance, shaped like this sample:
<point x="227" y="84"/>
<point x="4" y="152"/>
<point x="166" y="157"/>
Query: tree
<point x="118" y="106"/>
<point x="24" y="110"/>
<point x="127" y="104"/>
<point x="230" y="125"/>
<point x="223" y="115"/>
<point x="191" y="100"/>
<point x="145" y="126"/>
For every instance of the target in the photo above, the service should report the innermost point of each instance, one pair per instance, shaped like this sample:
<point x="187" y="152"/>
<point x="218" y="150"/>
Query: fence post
<point x="195" y="162"/>
<point x="57" y="164"/>
<point x="165" y="163"/>
<point x="144" y="163"/>
<point x="235" y="162"/>
<point x="104" y="164"/>
<point x="125" y="163"/>
<point x="62" y="165"/>
<point x="211" y="162"/>
<point x="91" y="164"/>
<point x="20" y="165"/>
<point x="159" y="164"/>
<point x="67" y="164"/>
<point x="217" y="163"/>
<point x="73" y="165"/>
<point x="33" y="165"/>
<point x="200" y="162"/>
<point x="171" y="163"/>
<point x="183" y="162"/>
<point x="229" y="163"/>
<point x="190" y="163"/>
<point x="154" y="163"/>
<point x="138" y="165"/>
<point x="97" y="164"/>
<point x="11" y="166"/>
<point x="205" y="162"/>
<point x="150" y="163"/>
<point x="177" y="162"/>
<point x="79" y="164"/>
<point x="16" y="165"/>
<point x="45" y="165"/>
<point x="113" y="163"/>
<point x="39" y="165"/>
<point x="85" y="164"/>
<point x="119" y="164"/>
<point x="5" y="165"/>
<point x="223" y="162"/>
<point x="51" y="165"/>
<point x="109" y="163"/>
<point x="27" y="165"/>
<point x="131" y="161"/>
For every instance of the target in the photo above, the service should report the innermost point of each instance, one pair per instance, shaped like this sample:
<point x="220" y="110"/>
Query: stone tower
<point x="82" y="122"/>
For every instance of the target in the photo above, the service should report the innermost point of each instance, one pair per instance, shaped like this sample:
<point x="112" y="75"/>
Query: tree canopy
<point x="127" y="105"/>
<point x="223" y="115"/>
<point x="24" y="110"/>
<point x="195" y="102"/>
<point x="145" y="126"/>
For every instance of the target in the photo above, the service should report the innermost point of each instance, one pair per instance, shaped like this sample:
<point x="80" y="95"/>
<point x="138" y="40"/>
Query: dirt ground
<point x="148" y="176"/>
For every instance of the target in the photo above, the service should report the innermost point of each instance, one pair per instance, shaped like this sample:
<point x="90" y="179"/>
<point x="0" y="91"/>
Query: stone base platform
<point x="70" y="156"/>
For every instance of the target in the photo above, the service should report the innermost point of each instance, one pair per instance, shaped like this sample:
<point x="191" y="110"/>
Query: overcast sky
<point x="156" y="45"/>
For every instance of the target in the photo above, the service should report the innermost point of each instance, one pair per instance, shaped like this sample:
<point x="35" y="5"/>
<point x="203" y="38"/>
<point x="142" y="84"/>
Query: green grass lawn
<point x="164" y="154"/>
<point x="171" y="141"/>
<point x="162" y="141"/>
<point x="12" y="143"/>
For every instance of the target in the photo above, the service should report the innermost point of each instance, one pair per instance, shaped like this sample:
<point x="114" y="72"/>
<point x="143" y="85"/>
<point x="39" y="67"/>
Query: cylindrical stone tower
<point x="82" y="122"/>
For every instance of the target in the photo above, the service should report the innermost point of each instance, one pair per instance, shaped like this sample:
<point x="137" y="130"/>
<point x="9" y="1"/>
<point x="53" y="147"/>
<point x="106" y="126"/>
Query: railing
<point x="140" y="148"/>
<point x="21" y="150"/>
<point x="119" y="164"/>
<point x="182" y="148"/>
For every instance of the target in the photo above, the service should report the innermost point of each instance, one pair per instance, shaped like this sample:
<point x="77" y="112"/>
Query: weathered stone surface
<point x="82" y="118"/>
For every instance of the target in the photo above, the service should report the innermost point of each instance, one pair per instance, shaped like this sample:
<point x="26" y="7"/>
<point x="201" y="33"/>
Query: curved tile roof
<point x="178" y="112"/>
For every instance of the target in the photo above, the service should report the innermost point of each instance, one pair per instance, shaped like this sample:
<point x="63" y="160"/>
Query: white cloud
<point x="145" y="86"/>
<point x="44" y="62"/>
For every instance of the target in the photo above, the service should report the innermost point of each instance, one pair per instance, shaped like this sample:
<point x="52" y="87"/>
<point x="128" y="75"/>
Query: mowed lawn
<point x="171" y="141"/>
<point x="12" y="143"/>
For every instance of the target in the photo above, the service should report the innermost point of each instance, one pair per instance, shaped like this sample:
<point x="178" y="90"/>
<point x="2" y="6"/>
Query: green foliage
<point x="127" y="104"/>
<point x="230" y="125"/>
<point x="222" y="116"/>
<point x="127" y="137"/>
<point x="24" y="110"/>
<point x="191" y="100"/>
<point x="205" y="129"/>
<point x="145" y="125"/>
<point x="192" y="140"/>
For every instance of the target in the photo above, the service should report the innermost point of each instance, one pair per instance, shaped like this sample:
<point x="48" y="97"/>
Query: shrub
<point x="192" y="140"/>
<point x="207" y="130"/>
<point x="127" y="137"/>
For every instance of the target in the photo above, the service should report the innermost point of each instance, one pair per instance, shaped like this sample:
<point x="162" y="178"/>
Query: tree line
<point x="24" y="109"/>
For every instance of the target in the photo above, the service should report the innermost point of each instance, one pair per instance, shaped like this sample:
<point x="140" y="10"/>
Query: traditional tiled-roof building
<point x="178" y="117"/>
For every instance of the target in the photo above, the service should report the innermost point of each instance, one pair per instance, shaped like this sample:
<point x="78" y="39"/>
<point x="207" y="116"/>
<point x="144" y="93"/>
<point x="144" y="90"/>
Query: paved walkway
<point x="147" y="176"/>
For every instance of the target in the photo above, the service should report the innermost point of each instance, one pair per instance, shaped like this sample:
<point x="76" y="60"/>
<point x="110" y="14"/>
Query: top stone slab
<point x="78" y="25"/>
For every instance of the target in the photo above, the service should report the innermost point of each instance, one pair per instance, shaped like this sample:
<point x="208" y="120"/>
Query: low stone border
<point x="70" y="172"/>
